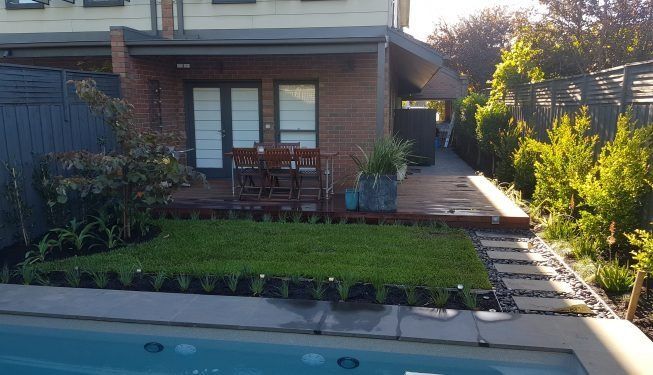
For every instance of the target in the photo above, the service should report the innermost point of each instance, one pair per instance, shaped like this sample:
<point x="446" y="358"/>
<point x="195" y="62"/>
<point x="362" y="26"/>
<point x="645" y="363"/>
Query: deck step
<point x="481" y="233"/>
<point x="537" y="285"/>
<point x="505" y="244"/>
<point x="516" y="255"/>
<point x="559" y="305"/>
<point x="525" y="270"/>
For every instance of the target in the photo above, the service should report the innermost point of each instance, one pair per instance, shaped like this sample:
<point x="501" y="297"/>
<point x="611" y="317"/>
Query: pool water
<point x="36" y="350"/>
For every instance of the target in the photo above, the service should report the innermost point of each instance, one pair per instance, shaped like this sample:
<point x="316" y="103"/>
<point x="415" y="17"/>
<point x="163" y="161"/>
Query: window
<point x="297" y="113"/>
<point x="234" y="1"/>
<point x="23" y="4"/>
<point x="103" y="3"/>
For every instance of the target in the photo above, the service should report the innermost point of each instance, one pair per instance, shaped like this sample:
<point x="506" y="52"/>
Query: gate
<point x="418" y="126"/>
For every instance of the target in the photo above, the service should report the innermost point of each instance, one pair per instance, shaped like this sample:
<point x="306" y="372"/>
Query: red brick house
<point x="227" y="73"/>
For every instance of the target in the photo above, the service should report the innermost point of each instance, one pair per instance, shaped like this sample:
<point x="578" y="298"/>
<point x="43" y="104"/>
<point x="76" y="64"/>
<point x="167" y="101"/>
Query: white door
<point x="207" y="116"/>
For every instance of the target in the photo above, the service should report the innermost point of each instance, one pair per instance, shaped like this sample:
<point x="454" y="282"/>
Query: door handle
<point x="223" y="132"/>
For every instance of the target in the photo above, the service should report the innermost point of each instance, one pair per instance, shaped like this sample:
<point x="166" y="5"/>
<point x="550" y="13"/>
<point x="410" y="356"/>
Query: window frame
<point x="277" y="109"/>
<point x="33" y="5"/>
<point x="103" y="3"/>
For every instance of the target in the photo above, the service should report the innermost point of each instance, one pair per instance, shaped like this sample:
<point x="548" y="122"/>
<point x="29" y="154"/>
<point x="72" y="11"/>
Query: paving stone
<point x="539" y="285"/>
<point x="361" y="319"/>
<point x="505" y="244"/>
<point x="525" y="270"/>
<point x="499" y="235"/>
<point x="514" y="255"/>
<point x="560" y="305"/>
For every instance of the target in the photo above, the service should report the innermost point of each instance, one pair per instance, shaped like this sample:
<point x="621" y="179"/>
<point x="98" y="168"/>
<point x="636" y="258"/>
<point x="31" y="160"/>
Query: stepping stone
<point x="515" y="255"/>
<point x="525" y="270"/>
<point x="505" y="244"/>
<point x="499" y="235"/>
<point x="560" y="305"/>
<point x="539" y="285"/>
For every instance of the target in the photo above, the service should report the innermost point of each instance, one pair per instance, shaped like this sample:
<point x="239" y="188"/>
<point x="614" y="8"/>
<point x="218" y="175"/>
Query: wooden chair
<point x="278" y="162"/>
<point x="308" y="165"/>
<point x="249" y="172"/>
<point x="289" y="145"/>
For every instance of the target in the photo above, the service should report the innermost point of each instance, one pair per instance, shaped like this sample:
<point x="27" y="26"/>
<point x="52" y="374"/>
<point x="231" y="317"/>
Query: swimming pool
<point x="112" y="348"/>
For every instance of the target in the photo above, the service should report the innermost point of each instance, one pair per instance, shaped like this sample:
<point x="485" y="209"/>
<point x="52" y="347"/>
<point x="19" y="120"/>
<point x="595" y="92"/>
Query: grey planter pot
<point x="379" y="197"/>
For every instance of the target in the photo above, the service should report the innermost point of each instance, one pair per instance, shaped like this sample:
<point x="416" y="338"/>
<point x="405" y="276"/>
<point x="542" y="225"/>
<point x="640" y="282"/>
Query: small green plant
<point x="267" y="218"/>
<point x="194" y="215"/>
<point x="296" y="216"/>
<point x="284" y="289"/>
<point x="469" y="298"/>
<point x="559" y="226"/>
<point x="73" y="276"/>
<point x="246" y="271"/>
<point x="76" y="234"/>
<point x="256" y="286"/>
<point x="126" y="275"/>
<point x="208" y="283"/>
<point x="343" y="221"/>
<point x="158" y="280"/>
<point x="112" y="236"/>
<point x="232" y="282"/>
<point x="318" y="289"/>
<point x="411" y="295"/>
<point x="232" y="215"/>
<point x="28" y="273"/>
<point x="42" y="249"/>
<point x="100" y="278"/>
<point x="380" y="292"/>
<point x="5" y="274"/>
<point x="439" y="297"/>
<point x="183" y="281"/>
<point x="344" y="287"/>
<point x="389" y="154"/>
<point x="584" y="247"/>
<point x="613" y="277"/>
<point x="361" y="220"/>
<point x="283" y="217"/>
<point x="19" y="212"/>
<point x="313" y="219"/>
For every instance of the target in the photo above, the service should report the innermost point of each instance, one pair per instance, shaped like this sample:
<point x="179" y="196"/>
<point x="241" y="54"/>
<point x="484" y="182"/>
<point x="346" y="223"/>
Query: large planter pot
<point x="379" y="195"/>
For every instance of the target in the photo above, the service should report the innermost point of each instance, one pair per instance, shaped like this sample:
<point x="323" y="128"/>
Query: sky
<point x="425" y="13"/>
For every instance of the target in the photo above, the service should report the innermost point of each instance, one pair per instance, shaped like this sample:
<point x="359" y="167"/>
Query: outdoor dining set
<point x="281" y="170"/>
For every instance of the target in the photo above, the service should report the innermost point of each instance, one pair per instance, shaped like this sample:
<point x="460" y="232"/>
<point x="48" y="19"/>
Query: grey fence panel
<point x="40" y="113"/>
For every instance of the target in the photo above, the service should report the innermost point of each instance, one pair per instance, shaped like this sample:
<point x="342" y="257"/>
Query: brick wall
<point x="347" y="93"/>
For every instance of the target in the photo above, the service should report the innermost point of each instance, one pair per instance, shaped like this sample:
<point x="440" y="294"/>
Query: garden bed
<point x="390" y="264"/>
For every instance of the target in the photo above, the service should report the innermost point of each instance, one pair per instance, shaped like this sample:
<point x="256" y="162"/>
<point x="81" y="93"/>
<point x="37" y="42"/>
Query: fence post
<point x="583" y="90"/>
<point x="532" y="103"/>
<point x="64" y="96"/>
<point x="624" y="89"/>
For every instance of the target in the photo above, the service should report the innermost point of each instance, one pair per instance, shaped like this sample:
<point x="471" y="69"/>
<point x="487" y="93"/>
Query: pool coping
<point x="602" y="346"/>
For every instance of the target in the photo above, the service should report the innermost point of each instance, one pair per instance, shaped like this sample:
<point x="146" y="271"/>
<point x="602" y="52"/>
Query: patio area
<point x="449" y="192"/>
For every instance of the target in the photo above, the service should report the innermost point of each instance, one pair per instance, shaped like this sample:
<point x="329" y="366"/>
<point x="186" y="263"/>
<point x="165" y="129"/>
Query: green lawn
<point x="390" y="254"/>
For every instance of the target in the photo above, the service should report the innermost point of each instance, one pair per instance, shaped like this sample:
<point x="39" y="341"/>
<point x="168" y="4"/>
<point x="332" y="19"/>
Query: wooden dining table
<point x="328" y="170"/>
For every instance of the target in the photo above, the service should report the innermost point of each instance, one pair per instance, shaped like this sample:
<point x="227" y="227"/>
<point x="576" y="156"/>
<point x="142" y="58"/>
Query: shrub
<point x="466" y="113"/>
<point x="643" y="254"/>
<point x="509" y="141"/>
<point x="616" y="188"/>
<point x="613" y="277"/>
<point x="142" y="173"/>
<point x="564" y="163"/>
<point x="559" y="226"/>
<point x="492" y="120"/>
<point x="527" y="154"/>
<point x="389" y="154"/>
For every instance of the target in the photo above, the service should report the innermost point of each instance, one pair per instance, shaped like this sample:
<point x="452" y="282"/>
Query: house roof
<point x="445" y="84"/>
<point x="413" y="62"/>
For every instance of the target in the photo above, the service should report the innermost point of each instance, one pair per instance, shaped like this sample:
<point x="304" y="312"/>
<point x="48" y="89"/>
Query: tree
<point x="141" y="173"/>
<point x="474" y="43"/>
<point x="518" y="65"/>
<point x="581" y="36"/>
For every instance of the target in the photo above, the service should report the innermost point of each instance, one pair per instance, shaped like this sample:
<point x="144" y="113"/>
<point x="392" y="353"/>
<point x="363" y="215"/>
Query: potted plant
<point x="376" y="179"/>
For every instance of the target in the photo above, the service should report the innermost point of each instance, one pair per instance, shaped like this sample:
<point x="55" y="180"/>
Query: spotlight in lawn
<point x="461" y="287"/>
